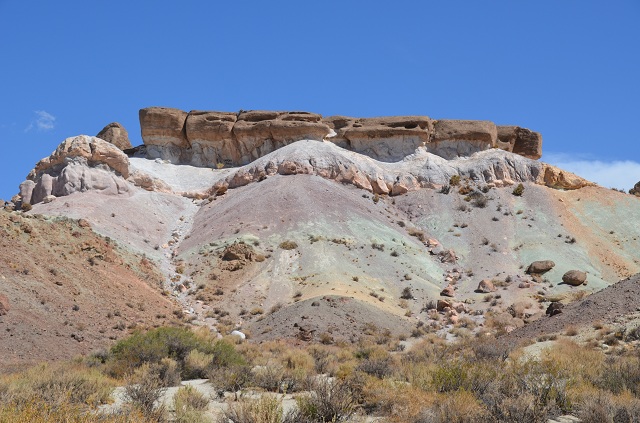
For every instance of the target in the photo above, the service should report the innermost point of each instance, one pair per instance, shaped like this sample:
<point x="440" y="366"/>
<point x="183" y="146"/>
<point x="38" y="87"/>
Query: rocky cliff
<point x="386" y="155"/>
<point x="209" y="138"/>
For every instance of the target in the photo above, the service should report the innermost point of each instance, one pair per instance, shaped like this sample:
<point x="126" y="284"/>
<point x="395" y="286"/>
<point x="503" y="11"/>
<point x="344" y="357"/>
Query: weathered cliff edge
<point x="209" y="138"/>
<point x="390" y="155"/>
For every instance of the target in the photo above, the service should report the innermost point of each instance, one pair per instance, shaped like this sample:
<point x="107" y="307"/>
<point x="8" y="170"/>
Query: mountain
<point x="288" y="224"/>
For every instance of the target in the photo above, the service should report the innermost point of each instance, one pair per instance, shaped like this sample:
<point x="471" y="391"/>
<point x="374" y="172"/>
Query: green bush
<point x="517" y="191"/>
<point x="153" y="346"/>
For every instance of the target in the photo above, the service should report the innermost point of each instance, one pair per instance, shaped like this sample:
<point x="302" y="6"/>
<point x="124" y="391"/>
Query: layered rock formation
<point x="420" y="170"/>
<point x="387" y="155"/>
<point x="115" y="134"/>
<point x="208" y="138"/>
<point x="80" y="163"/>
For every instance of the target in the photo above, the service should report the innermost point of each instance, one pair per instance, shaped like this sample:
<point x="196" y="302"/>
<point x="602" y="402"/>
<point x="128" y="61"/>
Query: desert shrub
<point x="378" y="367"/>
<point x="143" y="392"/>
<point x="269" y="377"/>
<point x="459" y="407"/>
<point x="327" y="401"/>
<point x="266" y="409"/>
<point x="454" y="180"/>
<point x="322" y="359"/>
<point x="196" y="364"/>
<point x="446" y="189"/>
<point x="38" y="410"/>
<point x="527" y="387"/>
<point x="230" y="379"/>
<point x="480" y="201"/>
<point x="376" y="246"/>
<point x="58" y="384"/>
<point x="288" y="245"/>
<point x="152" y="346"/>
<point x="518" y="190"/>
<point x="489" y="349"/>
<point x="417" y="233"/>
<point x="189" y="405"/>
<point x="406" y="294"/>
<point x="619" y="374"/>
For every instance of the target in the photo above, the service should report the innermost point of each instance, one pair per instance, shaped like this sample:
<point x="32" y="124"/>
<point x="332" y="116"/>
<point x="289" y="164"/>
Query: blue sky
<point x="568" y="69"/>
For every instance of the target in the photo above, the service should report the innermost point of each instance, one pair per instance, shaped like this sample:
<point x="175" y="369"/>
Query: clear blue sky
<point x="569" y="69"/>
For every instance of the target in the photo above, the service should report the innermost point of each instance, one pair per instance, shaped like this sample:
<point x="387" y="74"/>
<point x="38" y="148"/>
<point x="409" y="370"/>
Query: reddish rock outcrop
<point x="115" y="134"/>
<point x="521" y="141"/>
<point x="163" y="126"/>
<point x="555" y="177"/>
<point x="260" y="132"/>
<point x="207" y="127"/>
<point x="455" y="138"/>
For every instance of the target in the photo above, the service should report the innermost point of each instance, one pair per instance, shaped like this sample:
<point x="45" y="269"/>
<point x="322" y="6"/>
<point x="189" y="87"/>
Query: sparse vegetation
<point x="468" y="380"/>
<point x="518" y="190"/>
<point x="288" y="245"/>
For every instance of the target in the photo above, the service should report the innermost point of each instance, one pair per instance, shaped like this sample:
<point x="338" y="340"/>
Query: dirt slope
<point x="70" y="291"/>
<point x="618" y="304"/>
<point x="305" y="238"/>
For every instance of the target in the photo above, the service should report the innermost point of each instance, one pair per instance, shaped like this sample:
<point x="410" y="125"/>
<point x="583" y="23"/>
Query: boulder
<point x="115" y="134"/>
<point x="485" y="286"/>
<point x="459" y="307"/>
<point x="554" y="308"/>
<point x="635" y="190"/>
<point x="449" y="291"/>
<point x="4" y="305"/>
<point x="441" y="305"/>
<point x="574" y="277"/>
<point x="557" y="178"/>
<point x="90" y="150"/>
<point x="540" y="267"/>
<point x="447" y="256"/>
<point x="460" y="138"/>
<point x="238" y="252"/>
<point x="163" y="126"/>
<point x="239" y="334"/>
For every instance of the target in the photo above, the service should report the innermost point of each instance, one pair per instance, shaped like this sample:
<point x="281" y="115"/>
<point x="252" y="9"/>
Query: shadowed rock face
<point x="521" y="141"/>
<point x="209" y="138"/>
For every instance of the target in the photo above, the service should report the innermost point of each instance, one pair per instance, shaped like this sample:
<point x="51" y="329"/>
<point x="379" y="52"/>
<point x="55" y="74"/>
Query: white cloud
<point x="43" y="121"/>
<point x="610" y="174"/>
